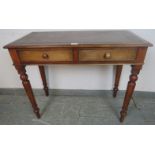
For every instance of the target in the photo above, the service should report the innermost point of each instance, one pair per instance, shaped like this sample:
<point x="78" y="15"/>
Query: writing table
<point x="79" y="47"/>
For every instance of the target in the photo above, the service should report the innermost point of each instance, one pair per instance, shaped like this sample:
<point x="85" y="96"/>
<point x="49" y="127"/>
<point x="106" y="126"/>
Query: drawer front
<point x="107" y="54"/>
<point x="52" y="55"/>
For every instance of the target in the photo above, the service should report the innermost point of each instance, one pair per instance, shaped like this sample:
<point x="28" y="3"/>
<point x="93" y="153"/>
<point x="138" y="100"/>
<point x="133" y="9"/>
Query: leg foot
<point x="123" y="115"/>
<point x="38" y="114"/>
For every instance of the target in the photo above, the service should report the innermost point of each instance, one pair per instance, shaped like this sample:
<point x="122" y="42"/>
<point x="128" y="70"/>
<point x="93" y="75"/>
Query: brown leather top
<point x="79" y="39"/>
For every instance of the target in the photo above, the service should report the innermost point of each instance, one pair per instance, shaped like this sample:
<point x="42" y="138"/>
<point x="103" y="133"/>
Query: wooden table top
<point x="79" y="39"/>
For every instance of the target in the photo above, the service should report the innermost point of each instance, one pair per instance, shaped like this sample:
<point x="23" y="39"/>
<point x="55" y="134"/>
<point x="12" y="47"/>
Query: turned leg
<point x="130" y="89"/>
<point x="26" y="83"/>
<point x="117" y="79"/>
<point x="43" y="76"/>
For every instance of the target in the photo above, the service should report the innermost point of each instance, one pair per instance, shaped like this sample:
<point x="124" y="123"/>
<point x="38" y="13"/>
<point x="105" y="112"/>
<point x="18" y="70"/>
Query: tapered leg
<point x="117" y="79"/>
<point x="43" y="76"/>
<point x="130" y="89"/>
<point x="26" y="83"/>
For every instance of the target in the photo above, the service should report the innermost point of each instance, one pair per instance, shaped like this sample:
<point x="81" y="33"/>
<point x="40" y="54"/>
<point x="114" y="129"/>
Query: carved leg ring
<point x="26" y="83"/>
<point x="130" y="89"/>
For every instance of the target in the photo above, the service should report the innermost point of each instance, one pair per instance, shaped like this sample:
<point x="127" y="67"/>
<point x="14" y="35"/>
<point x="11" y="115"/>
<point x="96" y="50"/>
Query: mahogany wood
<point x="45" y="55"/>
<point x="80" y="39"/>
<point x="79" y="47"/>
<point x="24" y="77"/>
<point x="75" y="55"/>
<point x="26" y="83"/>
<point x="130" y="89"/>
<point x="117" y="79"/>
<point x="141" y="53"/>
<point x="107" y="54"/>
<point x="43" y="77"/>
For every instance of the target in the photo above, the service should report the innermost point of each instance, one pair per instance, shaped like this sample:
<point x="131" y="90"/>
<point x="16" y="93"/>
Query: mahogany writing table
<point x="79" y="47"/>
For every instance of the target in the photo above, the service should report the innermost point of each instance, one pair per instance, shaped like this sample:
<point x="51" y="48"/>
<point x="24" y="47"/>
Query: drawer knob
<point x="107" y="55"/>
<point x="45" y="56"/>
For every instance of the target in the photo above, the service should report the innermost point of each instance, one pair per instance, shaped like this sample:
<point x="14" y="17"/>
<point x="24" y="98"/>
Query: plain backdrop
<point x="89" y="77"/>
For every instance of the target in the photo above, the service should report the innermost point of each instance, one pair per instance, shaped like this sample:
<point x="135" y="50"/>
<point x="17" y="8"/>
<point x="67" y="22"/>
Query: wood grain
<point x="115" y="54"/>
<point x="45" y="55"/>
<point x="79" y="39"/>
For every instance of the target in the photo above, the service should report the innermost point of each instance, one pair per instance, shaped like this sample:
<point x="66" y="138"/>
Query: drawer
<point x="51" y="55"/>
<point x="107" y="54"/>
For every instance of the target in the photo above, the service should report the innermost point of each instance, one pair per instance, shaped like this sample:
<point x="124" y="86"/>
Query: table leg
<point x="26" y="83"/>
<point x="117" y="79"/>
<point x="130" y="89"/>
<point x="43" y="76"/>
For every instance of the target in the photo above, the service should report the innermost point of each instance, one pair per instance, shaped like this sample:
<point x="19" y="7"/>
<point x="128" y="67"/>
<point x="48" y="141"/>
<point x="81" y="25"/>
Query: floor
<point x="77" y="110"/>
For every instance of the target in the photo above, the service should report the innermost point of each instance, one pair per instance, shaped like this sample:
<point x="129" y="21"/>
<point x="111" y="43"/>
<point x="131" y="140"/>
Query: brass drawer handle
<point x="107" y="55"/>
<point x="45" y="56"/>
